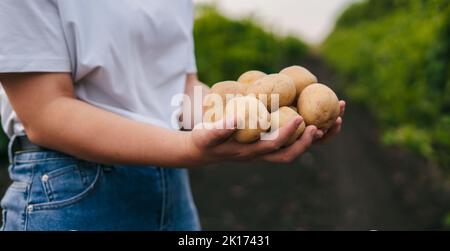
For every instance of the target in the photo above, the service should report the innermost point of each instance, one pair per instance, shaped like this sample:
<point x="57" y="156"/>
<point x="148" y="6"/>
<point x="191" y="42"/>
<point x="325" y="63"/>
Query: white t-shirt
<point x="129" y="57"/>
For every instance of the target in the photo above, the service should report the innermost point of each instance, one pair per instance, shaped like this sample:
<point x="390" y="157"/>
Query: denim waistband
<point x="33" y="156"/>
<point x="24" y="157"/>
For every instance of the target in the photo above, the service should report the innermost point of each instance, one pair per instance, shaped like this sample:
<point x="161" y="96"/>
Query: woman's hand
<point x="214" y="145"/>
<point x="289" y="154"/>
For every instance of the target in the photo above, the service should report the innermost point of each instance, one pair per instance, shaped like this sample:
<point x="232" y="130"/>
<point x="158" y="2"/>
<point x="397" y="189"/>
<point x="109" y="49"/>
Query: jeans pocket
<point x="67" y="185"/>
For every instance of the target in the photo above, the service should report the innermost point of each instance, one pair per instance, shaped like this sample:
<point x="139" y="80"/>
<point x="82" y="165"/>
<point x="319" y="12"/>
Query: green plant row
<point x="394" y="57"/>
<point x="226" y="48"/>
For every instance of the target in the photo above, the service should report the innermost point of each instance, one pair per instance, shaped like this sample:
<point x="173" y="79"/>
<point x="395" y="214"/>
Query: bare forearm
<point x="77" y="128"/>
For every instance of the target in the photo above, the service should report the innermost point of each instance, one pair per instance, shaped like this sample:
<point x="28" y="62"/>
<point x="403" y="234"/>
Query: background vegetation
<point x="227" y="48"/>
<point x="394" y="57"/>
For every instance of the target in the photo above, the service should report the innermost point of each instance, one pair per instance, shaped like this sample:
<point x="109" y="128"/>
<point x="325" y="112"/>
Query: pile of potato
<point x="299" y="94"/>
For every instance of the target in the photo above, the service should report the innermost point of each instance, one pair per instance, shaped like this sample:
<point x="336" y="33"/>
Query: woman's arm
<point x="54" y="118"/>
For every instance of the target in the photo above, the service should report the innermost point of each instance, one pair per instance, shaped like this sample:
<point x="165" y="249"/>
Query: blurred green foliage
<point x="447" y="222"/>
<point x="394" y="57"/>
<point x="227" y="48"/>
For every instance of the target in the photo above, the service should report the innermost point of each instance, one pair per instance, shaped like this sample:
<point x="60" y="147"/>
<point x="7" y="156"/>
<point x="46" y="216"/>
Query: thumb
<point x="217" y="132"/>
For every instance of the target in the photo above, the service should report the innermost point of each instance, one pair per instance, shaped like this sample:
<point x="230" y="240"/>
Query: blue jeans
<point x="54" y="191"/>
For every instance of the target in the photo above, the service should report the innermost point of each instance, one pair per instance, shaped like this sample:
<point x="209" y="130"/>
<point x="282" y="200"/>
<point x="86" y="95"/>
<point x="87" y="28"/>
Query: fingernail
<point x="313" y="132"/>
<point x="319" y="134"/>
<point x="298" y="121"/>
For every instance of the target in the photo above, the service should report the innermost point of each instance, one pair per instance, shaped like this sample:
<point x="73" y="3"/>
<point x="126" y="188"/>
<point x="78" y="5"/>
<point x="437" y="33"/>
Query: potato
<point x="294" y="108"/>
<point x="211" y="115"/>
<point x="222" y="89"/>
<point x="251" y="77"/>
<point x="228" y="87"/>
<point x="274" y="84"/>
<point x="283" y="116"/>
<point x="319" y="106"/>
<point x="252" y="116"/>
<point x="301" y="77"/>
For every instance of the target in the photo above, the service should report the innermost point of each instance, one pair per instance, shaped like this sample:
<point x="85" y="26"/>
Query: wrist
<point x="192" y="154"/>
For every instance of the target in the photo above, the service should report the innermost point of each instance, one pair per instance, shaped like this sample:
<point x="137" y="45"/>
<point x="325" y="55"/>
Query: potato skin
<point x="251" y="77"/>
<point x="254" y="111"/>
<point x="222" y="89"/>
<point x="319" y="106"/>
<point x="228" y="87"/>
<point x="214" y="118"/>
<point x="301" y="77"/>
<point x="274" y="84"/>
<point x="283" y="116"/>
